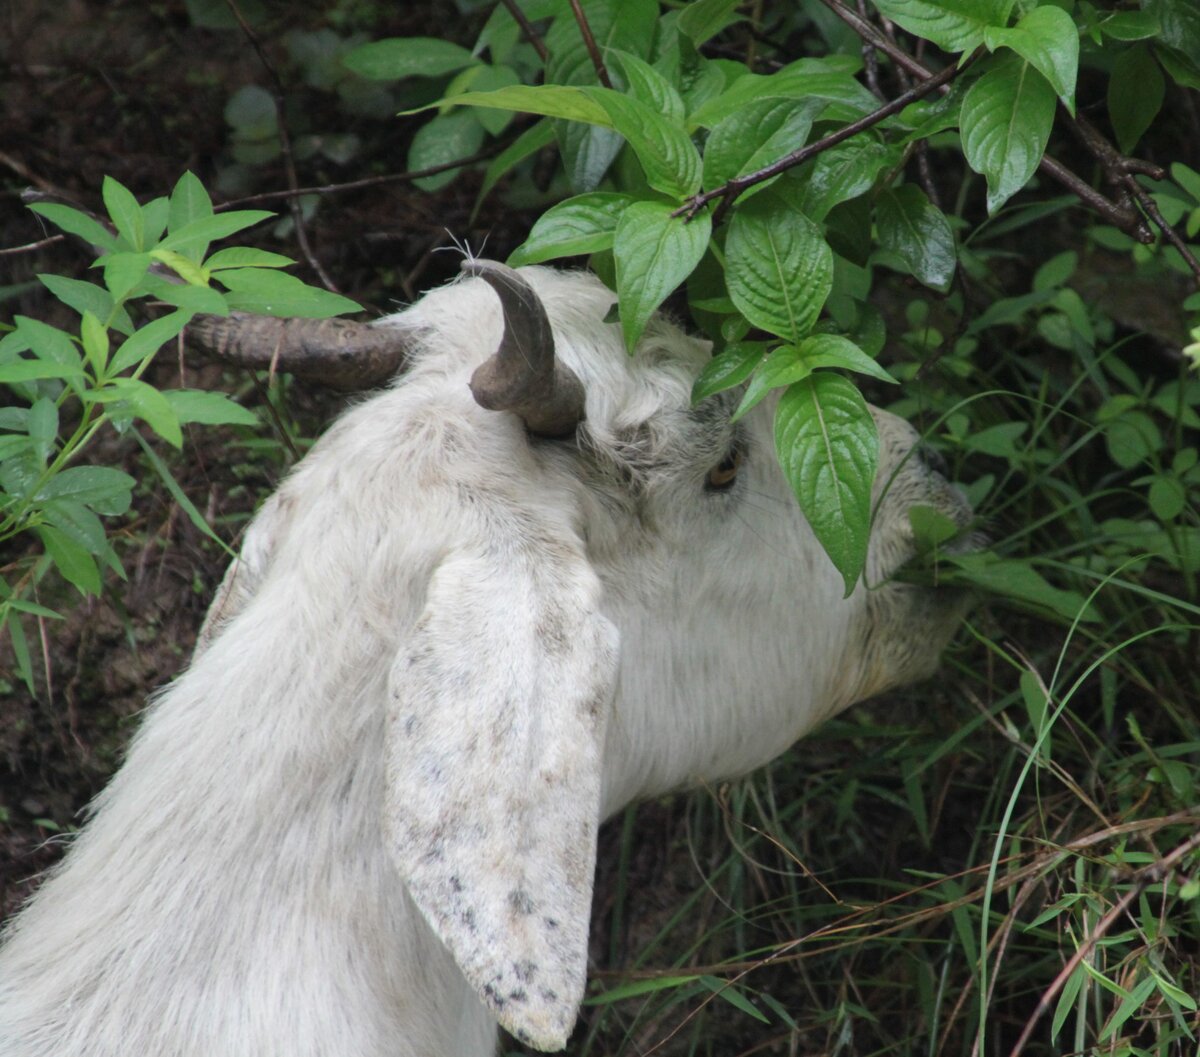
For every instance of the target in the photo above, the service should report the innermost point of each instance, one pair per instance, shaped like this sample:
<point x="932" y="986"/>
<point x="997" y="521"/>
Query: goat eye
<point x="722" y="476"/>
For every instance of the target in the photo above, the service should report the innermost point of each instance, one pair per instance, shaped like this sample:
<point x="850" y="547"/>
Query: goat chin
<point x="363" y="822"/>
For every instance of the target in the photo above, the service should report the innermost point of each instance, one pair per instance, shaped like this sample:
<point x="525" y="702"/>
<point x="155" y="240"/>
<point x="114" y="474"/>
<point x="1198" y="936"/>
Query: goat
<point x="490" y="607"/>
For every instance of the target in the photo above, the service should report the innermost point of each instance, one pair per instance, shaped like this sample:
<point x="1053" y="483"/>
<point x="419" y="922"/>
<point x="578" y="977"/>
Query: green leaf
<point x="637" y="988"/>
<point x="186" y="268"/>
<point x="931" y="528"/>
<point x="95" y="342"/>
<point x="79" y="523"/>
<point x="397" y="57"/>
<point x="1018" y="581"/>
<point x="915" y="230"/>
<point x="207" y="408"/>
<point x="1046" y="38"/>
<point x="145" y="402"/>
<point x="103" y="488"/>
<point x="778" y="267"/>
<point x="178" y="494"/>
<point x="648" y="86"/>
<point x="1131" y="25"/>
<point x="725" y="990"/>
<point x="1005" y="121"/>
<point x="1132" y="438"/>
<point x="1167" y="498"/>
<point x="48" y="343"/>
<point x="189" y="201"/>
<point x="147" y="340"/>
<point x="549" y="100"/>
<point x="192" y="299"/>
<point x="43" y="427"/>
<point x="805" y="79"/>
<point x="953" y="25"/>
<point x="842" y="173"/>
<point x="829" y="450"/>
<point x="1136" y="90"/>
<point x="482" y="78"/>
<point x="246" y="257"/>
<point x="123" y="272"/>
<point x="654" y="252"/>
<point x="730" y="368"/>
<point x="583" y="224"/>
<point x="792" y="363"/>
<point x="72" y="561"/>
<point x="446" y="139"/>
<point x="125" y="212"/>
<point x="35" y="370"/>
<point x="279" y="294"/>
<point x="834" y="350"/>
<point x="666" y="152"/>
<point x="704" y="19"/>
<point x="197" y="234"/>
<point x="20" y="647"/>
<point x="87" y="297"/>
<point x="764" y="132"/>
<point x="73" y="222"/>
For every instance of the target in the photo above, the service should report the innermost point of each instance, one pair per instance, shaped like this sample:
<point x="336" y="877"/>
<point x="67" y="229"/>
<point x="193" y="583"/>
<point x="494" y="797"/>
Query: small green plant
<point x="68" y="386"/>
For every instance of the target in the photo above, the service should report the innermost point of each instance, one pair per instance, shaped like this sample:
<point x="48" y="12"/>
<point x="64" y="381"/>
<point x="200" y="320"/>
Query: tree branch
<point x="589" y="41"/>
<point x="527" y="28"/>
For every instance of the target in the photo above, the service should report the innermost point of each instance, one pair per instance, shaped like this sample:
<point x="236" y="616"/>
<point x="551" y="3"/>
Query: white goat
<point x="363" y="822"/>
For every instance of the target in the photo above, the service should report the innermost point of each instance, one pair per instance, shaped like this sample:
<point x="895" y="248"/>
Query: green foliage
<point x="788" y="200"/>
<point x="65" y="387"/>
<point x="791" y="242"/>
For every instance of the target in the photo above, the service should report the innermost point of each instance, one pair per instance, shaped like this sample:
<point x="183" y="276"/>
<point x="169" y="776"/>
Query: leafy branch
<point x="730" y="190"/>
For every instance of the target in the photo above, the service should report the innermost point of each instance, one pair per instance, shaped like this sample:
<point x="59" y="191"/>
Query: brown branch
<point x="527" y="28"/>
<point x="1152" y="874"/>
<point x="29" y="247"/>
<point x="285" y="145"/>
<point x="729" y="191"/>
<point x="589" y="41"/>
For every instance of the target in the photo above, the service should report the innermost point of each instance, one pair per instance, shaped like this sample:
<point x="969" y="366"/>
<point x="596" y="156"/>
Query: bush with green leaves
<point x="68" y="386"/>
<point x="778" y="187"/>
<point x="854" y="196"/>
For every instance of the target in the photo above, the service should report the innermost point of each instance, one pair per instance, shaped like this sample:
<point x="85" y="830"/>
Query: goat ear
<point x="498" y="709"/>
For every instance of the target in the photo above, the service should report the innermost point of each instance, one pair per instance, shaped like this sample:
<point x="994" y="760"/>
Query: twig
<point x="29" y="247"/>
<point x="369" y="181"/>
<point x="728" y="192"/>
<point x="1152" y="874"/>
<point x="527" y="28"/>
<point x="590" y="43"/>
<point x="285" y="145"/>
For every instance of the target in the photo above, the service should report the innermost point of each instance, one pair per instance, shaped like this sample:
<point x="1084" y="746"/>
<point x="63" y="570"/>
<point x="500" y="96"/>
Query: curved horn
<point x="339" y="353"/>
<point x="523" y="376"/>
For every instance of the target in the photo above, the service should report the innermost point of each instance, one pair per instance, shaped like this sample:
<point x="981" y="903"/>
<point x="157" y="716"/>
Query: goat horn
<point x="524" y="376"/>
<point x="339" y="353"/>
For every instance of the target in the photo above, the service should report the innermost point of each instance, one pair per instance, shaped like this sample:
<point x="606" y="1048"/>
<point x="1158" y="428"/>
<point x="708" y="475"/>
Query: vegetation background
<point x="1005" y="860"/>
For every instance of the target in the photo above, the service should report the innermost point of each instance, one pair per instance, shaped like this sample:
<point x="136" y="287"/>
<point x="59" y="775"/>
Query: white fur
<point x="362" y="824"/>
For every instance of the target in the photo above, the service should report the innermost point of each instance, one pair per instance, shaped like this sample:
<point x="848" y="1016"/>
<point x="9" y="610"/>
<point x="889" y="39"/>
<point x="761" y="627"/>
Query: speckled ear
<point x="499" y="704"/>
